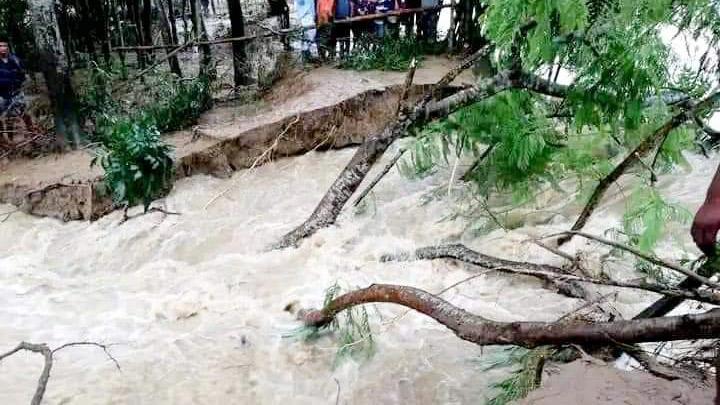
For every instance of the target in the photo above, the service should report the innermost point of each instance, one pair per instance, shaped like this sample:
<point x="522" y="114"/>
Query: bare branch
<point x="48" y="354"/>
<point x="379" y="177"/>
<point x="467" y="255"/>
<point x="551" y="274"/>
<point x="105" y="349"/>
<point x="649" y="258"/>
<point x="406" y="87"/>
<point x="712" y="133"/>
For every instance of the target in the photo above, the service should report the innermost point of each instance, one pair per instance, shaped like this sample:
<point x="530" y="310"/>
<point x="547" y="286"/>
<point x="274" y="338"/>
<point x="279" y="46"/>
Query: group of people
<point x="325" y="28"/>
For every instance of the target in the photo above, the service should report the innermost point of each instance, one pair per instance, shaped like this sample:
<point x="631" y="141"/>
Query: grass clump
<point x="526" y="375"/>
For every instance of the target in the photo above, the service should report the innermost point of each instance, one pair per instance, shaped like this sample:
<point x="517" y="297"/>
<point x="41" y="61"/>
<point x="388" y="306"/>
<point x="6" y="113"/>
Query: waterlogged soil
<point x="194" y="305"/>
<point x="597" y="384"/>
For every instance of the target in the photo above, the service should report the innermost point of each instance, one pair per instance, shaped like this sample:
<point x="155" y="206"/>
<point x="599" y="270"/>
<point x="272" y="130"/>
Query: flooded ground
<point x="193" y="304"/>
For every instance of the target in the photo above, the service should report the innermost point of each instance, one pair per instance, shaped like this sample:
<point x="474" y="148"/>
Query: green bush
<point x="179" y="103"/>
<point x="387" y="53"/>
<point x="138" y="165"/>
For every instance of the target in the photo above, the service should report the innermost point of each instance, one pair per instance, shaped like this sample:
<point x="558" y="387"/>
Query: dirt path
<point x="325" y="107"/>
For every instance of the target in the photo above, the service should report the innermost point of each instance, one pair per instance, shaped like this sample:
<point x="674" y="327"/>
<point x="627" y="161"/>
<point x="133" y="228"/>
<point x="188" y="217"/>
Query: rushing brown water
<point x="193" y="304"/>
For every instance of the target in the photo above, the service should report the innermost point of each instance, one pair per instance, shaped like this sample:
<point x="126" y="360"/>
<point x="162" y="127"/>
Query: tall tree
<point x="146" y="20"/>
<point x="168" y="31"/>
<point x="200" y="34"/>
<point x="56" y="70"/>
<point x="237" y="21"/>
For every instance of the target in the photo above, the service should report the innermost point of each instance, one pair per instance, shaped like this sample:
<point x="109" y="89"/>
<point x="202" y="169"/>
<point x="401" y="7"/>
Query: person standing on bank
<point x="12" y="77"/>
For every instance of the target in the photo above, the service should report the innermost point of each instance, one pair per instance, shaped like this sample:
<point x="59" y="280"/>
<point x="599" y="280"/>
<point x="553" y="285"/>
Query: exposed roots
<point x="127" y="217"/>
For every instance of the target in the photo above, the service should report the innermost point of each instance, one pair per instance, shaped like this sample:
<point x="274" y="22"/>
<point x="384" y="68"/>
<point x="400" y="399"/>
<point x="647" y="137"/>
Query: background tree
<point x="55" y="66"/>
<point x="240" y="63"/>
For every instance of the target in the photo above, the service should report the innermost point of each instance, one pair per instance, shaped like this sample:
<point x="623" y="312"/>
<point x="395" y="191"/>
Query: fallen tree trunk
<point x="482" y="331"/>
<point x="329" y="208"/>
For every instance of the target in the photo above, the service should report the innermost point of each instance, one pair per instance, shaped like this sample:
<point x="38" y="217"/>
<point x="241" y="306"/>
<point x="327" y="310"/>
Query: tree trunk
<point x="56" y="69"/>
<point x="168" y="36"/>
<point x="102" y="27"/>
<point x="200" y="34"/>
<point x="146" y="20"/>
<point x="173" y="25"/>
<point x="240" y="63"/>
<point x="134" y="10"/>
<point x="482" y="331"/>
<point x="372" y="149"/>
<point x="186" y="33"/>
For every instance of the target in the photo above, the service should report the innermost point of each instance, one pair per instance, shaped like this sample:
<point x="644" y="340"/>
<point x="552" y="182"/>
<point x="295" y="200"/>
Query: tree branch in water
<point x="568" y="284"/>
<point x="327" y="211"/>
<point x="48" y="354"/>
<point x="483" y="331"/>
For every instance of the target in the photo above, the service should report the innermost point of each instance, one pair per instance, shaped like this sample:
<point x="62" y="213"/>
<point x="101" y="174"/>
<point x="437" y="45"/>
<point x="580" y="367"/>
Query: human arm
<point x="707" y="220"/>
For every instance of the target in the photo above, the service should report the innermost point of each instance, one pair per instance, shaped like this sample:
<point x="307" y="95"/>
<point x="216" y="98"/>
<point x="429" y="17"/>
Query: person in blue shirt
<point x="12" y="77"/>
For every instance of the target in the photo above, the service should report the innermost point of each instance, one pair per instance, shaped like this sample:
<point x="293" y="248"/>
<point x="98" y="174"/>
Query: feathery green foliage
<point x="527" y="366"/>
<point x="623" y="79"/>
<point x="352" y="326"/>
<point x="647" y="216"/>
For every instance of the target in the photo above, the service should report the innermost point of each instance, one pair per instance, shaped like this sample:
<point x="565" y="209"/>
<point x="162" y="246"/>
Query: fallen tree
<point x="483" y="331"/>
<point x="556" y="276"/>
<point x="327" y="211"/>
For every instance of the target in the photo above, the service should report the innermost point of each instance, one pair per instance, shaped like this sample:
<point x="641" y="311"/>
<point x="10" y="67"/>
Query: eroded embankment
<point x="339" y="125"/>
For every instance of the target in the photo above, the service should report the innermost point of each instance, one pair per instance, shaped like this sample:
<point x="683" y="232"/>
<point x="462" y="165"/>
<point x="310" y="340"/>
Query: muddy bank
<point x="343" y="124"/>
<point x="323" y="108"/>
<point x="604" y="385"/>
<point x="339" y="125"/>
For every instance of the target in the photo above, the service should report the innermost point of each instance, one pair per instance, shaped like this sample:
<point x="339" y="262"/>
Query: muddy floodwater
<point x="193" y="305"/>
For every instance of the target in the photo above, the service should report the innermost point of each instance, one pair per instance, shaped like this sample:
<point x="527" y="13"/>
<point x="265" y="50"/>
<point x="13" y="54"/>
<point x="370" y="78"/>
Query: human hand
<point x="705" y="226"/>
